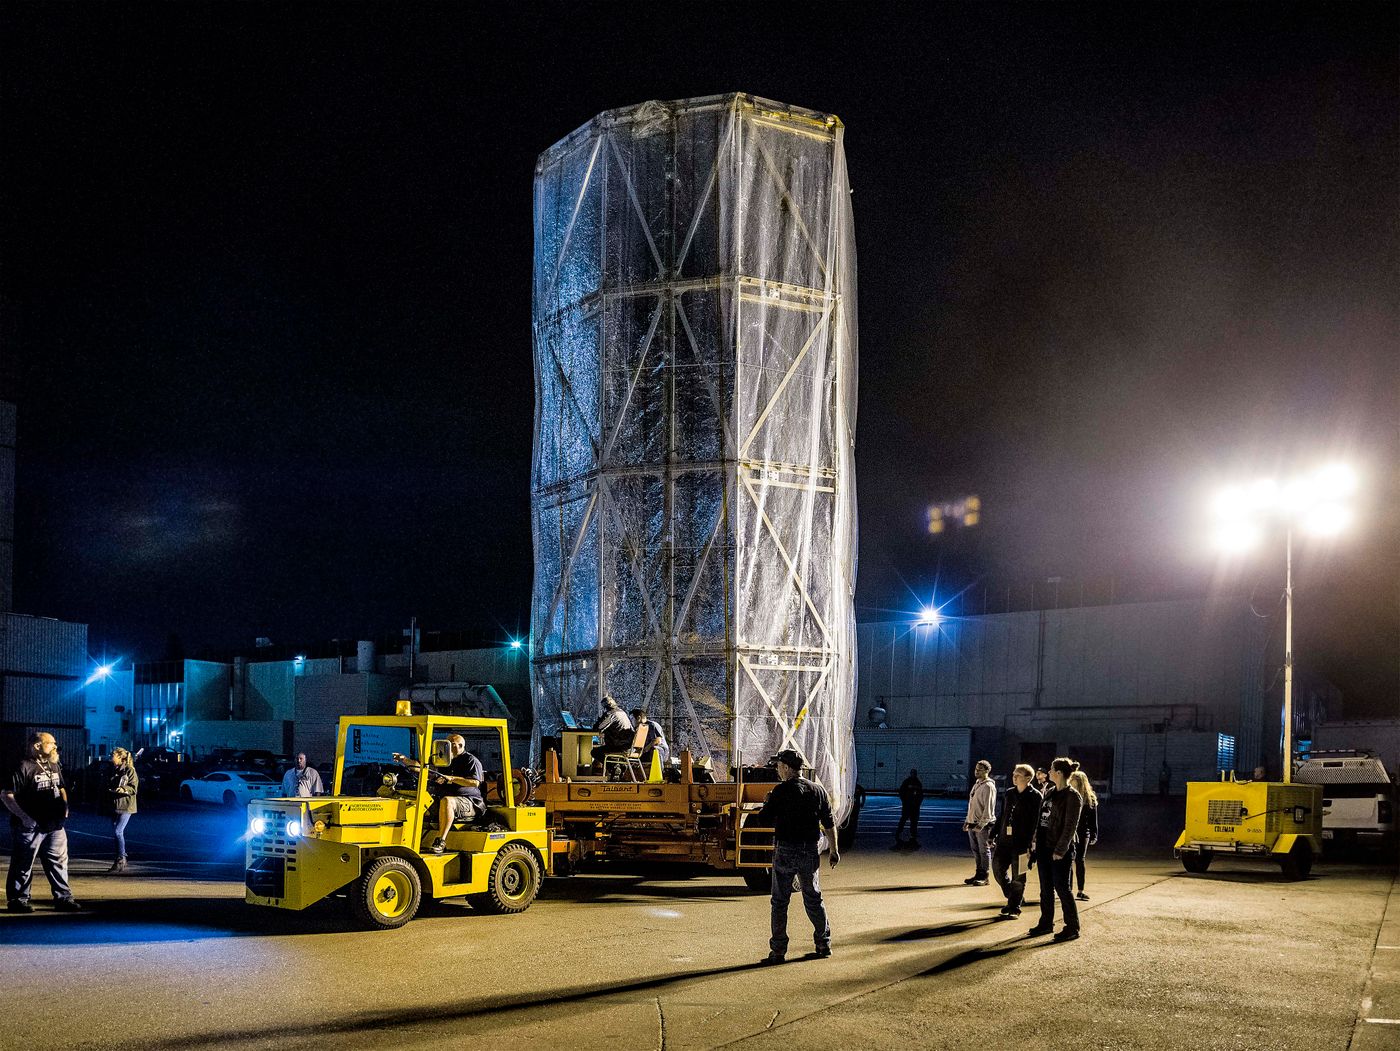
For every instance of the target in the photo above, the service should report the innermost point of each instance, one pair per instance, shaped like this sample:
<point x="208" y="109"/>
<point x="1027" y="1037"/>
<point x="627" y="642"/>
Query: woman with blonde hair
<point x="122" y="783"/>
<point x="1088" y="825"/>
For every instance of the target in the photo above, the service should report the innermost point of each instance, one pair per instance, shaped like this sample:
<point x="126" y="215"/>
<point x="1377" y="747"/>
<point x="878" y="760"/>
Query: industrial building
<point x="267" y="701"/>
<point x="1145" y="695"/>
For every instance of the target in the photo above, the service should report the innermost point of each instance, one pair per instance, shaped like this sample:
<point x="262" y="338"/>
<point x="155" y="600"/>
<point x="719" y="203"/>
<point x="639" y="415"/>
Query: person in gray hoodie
<point x="1054" y="851"/>
<point x="981" y="817"/>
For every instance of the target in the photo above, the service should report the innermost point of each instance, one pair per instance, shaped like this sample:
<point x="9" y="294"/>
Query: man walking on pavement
<point x="911" y="798"/>
<point x="799" y="812"/>
<point x="302" y="780"/>
<point x="981" y="816"/>
<point x="37" y="799"/>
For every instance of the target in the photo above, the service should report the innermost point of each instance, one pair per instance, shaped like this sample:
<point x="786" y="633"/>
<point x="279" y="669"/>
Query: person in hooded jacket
<point x="1054" y="851"/>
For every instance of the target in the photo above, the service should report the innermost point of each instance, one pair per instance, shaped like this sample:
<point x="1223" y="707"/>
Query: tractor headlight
<point x="293" y="829"/>
<point x="257" y="826"/>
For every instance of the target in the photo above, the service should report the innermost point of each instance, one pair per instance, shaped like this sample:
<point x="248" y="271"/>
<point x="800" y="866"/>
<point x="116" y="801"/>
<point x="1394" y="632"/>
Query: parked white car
<point x="229" y="787"/>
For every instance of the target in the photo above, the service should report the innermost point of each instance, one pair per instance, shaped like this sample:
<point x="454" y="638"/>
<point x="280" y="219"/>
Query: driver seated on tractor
<point x="614" y="730"/>
<point x="457" y="789"/>
<point x="655" y="740"/>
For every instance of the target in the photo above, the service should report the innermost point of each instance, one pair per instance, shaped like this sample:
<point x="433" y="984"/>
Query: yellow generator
<point x="1263" y="820"/>
<point x="370" y="840"/>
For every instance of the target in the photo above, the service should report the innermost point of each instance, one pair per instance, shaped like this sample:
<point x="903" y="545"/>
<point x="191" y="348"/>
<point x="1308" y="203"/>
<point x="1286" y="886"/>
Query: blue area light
<point x="929" y="616"/>
<point x="515" y="644"/>
<point x="257" y="826"/>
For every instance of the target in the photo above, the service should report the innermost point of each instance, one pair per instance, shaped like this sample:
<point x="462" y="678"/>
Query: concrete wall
<point x="1071" y="680"/>
<point x="322" y="699"/>
<point x="108" y="727"/>
<point x="203" y="735"/>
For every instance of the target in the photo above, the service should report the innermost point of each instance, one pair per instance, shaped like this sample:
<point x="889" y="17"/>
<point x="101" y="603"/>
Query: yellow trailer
<point x="1261" y="820"/>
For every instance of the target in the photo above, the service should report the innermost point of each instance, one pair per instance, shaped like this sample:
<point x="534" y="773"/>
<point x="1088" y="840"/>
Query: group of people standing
<point x="1046" y="822"/>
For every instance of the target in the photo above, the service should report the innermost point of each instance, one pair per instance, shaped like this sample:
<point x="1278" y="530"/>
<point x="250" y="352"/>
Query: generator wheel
<point x="386" y="895"/>
<point x="1195" y="860"/>
<point x="513" y="883"/>
<point x="1297" y="863"/>
<point x="760" y="881"/>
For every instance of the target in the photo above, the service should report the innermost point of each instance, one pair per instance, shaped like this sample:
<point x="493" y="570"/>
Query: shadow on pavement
<point x="475" y="1011"/>
<point x="164" y="920"/>
<point x="909" y="887"/>
<point x="942" y="931"/>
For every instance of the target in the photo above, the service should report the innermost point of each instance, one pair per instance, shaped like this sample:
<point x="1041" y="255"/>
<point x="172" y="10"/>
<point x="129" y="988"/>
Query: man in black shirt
<point x="37" y="799"/>
<point x="457" y="789"/>
<point x="799" y="812"/>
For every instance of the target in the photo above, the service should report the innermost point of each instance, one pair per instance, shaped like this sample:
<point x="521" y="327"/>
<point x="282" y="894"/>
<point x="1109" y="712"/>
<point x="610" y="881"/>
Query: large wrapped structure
<point x="693" y="490"/>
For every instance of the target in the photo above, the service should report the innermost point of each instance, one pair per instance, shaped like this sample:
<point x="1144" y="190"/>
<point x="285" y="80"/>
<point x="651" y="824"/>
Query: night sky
<point x="266" y="298"/>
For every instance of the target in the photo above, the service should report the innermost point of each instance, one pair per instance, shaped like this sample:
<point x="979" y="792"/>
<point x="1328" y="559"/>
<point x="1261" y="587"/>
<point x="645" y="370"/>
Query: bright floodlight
<point x="1327" y="520"/>
<point x="515" y="644"/>
<point x="1336" y="480"/>
<point x="1237" y="536"/>
<point x="257" y="826"/>
<point x="929" y="615"/>
<point x="102" y="671"/>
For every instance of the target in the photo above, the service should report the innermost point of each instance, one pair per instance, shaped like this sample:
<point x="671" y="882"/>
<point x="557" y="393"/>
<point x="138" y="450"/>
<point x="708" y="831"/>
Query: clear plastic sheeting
<point x="693" y="492"/>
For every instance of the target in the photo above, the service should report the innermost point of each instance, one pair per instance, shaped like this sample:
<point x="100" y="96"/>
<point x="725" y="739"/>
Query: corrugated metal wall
<point x="43" y="663"/>
<point x="1075" y="677"/>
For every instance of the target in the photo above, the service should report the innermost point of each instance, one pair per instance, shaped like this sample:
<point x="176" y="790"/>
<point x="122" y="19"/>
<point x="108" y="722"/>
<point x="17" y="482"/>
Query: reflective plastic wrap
<point x="693" y="492"/>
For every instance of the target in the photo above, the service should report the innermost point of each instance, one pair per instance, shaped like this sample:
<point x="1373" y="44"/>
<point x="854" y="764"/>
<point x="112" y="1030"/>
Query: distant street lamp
<point x="929" y="616"/>
<point x="1317" y="503"/>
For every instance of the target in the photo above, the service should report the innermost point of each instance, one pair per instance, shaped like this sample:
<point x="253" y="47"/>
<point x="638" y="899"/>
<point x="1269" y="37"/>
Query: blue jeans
<point x="795" y="862"/>
<point x="119" y="832"/>
<point x="51" y="848"/>
<point x="980" y="841"/>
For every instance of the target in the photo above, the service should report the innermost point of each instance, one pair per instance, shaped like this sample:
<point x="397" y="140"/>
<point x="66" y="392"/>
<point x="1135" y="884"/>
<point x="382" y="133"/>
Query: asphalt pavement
<point x="169" y="956"/>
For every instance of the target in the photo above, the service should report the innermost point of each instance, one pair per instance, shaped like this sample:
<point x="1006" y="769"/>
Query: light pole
<point x="1316" y="502"/>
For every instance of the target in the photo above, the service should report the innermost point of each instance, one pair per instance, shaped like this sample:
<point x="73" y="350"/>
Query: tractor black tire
<point x="1297" y="863"/>
<point x="387" y="894"/>
<point x="1196" y="860"/>
<point x="513" y="882"/>
<point x="186" y="796"/>
<point x="760" y="881"/>
<point x="230" y="800"/>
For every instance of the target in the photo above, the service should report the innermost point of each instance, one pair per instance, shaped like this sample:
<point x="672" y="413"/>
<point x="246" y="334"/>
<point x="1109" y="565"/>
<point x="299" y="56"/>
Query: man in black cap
<point x="799" y="812"/>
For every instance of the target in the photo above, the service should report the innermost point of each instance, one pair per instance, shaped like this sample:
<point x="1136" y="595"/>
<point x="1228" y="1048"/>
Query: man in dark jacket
<point x="614" y="731"/>
<point x="655" y="741"/>
<point x="799" y="812"/>
<point x="1014" y="831"/>
<point x="1054" y="851"/>
<point x="911" y="798"/>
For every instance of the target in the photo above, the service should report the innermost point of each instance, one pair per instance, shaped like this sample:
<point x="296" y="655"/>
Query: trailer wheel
<point x="230" y="800"/>
<point x="1195" y="860"/>
<point x="186" y="796"/>
<point x="760" y="881"/>
<point x="386" y="895"/>
<point x="513" y="883"/>
<point x="1297" y="863"/>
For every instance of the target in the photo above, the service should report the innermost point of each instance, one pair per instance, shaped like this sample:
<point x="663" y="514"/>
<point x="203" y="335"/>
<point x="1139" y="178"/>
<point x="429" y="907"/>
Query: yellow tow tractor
<point x="366" y="840"/>
<point x="1262" y="820"/>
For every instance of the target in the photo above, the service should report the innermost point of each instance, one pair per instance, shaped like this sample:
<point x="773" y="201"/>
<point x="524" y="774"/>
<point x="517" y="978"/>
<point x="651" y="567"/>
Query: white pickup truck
<point x="1358" y="798"/>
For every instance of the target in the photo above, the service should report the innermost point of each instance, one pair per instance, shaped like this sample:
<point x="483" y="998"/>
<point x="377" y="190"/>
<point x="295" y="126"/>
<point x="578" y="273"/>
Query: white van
<point x="1358" y="798"/>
